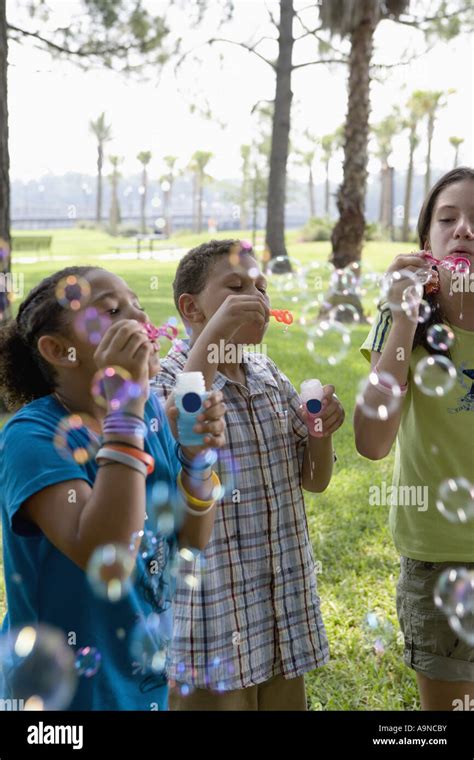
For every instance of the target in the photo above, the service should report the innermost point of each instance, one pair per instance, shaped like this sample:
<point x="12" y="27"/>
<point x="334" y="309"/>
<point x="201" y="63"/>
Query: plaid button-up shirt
<point x="247" y="608"/>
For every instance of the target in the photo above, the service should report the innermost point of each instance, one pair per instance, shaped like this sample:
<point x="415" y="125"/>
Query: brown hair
<point x="193" y="269"/>
<point x="24" y="374"/>
<point x="423" y="227"/>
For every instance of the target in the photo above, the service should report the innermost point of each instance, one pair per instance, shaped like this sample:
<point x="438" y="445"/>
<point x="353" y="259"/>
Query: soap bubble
<point x="74" y="440"/>
<point x="394" y="287"/>
<point x="109" y="571"/>
<point x="150" y="641"/>
<point x="328" y="342"/>
<point x="440" y="337"/>
<point x="113" y="388"/>
<point x="88" y="661"/>
<point x="454" y="595"/>
<point x="38" y="667"/>
<point x="379" y="631"/>
<point x="455" y="500"/>
<point x="310" y="315"/>
<point x="72" y="292"/>
<point x="145" y="541"/>
<point x="343" y="281"/>
<point x="379" y="396"/>
<point x="91" y="325"/>
<point x="435" y="375"/>
<point x="345" y="313"/>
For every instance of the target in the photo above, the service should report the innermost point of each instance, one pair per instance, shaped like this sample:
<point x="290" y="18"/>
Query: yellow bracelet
<point x="192" y="499"/>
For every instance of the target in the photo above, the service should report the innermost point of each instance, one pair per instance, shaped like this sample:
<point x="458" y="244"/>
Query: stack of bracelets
<point x="193" y="468"/>
<point x="122" y="452"/>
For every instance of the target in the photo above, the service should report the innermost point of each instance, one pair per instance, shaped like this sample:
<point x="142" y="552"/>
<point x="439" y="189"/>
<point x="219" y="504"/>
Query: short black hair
<point x="193" y="269"/>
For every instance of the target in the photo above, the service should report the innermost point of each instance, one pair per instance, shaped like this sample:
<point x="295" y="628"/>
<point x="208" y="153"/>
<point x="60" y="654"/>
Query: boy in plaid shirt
<point x="251" y="626"/>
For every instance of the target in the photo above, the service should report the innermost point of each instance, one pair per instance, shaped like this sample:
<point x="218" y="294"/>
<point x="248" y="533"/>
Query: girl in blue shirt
<point x="57" y="511"/>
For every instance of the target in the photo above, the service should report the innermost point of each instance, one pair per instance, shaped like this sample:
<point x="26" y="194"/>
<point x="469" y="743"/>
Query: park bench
<point x="32" y="243"/>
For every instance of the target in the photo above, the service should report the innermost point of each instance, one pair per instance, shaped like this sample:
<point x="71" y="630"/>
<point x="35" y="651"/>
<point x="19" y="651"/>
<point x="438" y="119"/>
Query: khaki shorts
<point x="431" y="646"/>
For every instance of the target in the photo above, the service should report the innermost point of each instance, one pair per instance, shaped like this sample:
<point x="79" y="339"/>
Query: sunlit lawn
<point x="359" y="564"/>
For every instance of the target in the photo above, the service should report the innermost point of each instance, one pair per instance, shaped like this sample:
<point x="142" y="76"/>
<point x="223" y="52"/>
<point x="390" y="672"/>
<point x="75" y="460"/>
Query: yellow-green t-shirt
<point x="434" y="443"/>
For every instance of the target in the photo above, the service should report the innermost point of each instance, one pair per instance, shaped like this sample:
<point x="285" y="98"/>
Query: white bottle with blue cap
<point x="311" y="394"/>
<point x="190" y="395"/>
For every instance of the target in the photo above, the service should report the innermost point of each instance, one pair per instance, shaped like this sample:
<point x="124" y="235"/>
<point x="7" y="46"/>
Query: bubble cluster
<point x="109" y="571"/>
<point x="454" y="595"/>
<point x="113" y="388"/>
<point x="379" y="631"/>
<point x="88" y="661"/>
<point x="38" y="666"/>
<point x="74" y="439"/>
<point x="455" y="500"/>
<point x="435" y="375"/>
<point x="72" y="292"/>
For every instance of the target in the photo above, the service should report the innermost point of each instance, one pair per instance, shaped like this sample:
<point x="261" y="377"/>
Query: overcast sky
<point x="51" y="102"/>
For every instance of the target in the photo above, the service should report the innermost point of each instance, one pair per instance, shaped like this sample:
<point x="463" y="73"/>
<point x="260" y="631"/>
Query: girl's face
<point x="452" y="224"/>
<point x="110" y="300"/>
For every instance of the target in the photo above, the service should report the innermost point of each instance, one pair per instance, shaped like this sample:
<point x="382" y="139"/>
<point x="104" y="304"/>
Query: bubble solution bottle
<point x="190" y="395"/>
<point x="311" y="395"/>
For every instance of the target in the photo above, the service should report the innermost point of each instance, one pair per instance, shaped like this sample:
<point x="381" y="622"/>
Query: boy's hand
<point x="211" y="423"/>
<point x="237" y="311"/>
<point x="331" y="415"/>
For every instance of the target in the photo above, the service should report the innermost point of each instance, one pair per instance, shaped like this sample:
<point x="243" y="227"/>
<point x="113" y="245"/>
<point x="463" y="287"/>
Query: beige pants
<point x="276" y="694"/>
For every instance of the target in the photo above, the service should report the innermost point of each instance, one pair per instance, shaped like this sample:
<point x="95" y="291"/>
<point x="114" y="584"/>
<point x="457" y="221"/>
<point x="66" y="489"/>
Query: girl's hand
<point x="211" y="422"/>
<point x="398" y="279"/>
<point x="332" y="413"/>
<point x="126" y="344"/>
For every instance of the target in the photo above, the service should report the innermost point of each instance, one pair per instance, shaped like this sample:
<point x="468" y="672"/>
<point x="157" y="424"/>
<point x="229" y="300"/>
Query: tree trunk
<point x="194" y="203"/>
<point x="408" y="189"/>
<point x="199" y="204"/>
<point x="348" y="233"/>
<point x="327" y="191"/>
<point x="100" y="163"/>
<point x="456" y="156"/>
<point x="169" y="216"/>
<point x="382" y="193"/>
<point x="143" y="201"/>
<point x="428" y="154"/>
<point x="254" y="211"/>
<point x="312" y="200"/>
<point x="5" y="259"/>
<point x="114" y="208"/>
<point x="275" y="227"/>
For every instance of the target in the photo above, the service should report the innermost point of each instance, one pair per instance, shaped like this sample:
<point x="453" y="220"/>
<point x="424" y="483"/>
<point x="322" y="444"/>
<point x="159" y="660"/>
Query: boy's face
<point x="234" y="274"/>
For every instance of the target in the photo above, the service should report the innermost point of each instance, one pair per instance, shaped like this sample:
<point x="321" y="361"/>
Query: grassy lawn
<point x="359" y="565"/>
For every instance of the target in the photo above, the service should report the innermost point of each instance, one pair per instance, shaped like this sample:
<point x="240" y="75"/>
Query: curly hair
<point x="24" y="374"/>
<point x="193" y="270"/>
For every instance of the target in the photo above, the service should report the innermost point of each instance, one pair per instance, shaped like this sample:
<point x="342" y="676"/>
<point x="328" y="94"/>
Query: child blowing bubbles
<point x="46" y="369"/>
<point x="434" y="436"/>
<point x="245" y="636"/>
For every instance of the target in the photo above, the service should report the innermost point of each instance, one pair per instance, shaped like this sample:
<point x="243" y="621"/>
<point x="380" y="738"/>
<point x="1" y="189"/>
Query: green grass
<point x="359" y="564"/>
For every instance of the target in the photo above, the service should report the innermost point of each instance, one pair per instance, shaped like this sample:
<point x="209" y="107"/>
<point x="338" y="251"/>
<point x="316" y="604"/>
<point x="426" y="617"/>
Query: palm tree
<point x="456" y="142"/>
<point x="356" y="20"/>
<point x="245" y="151"/>
<point x="306" y="159"/>
<point x="102" y="133"/>
<point x="415" y="112"/>
<point x="167" y="183"/>
<point x="114" y="215"/>
<point x="329" y="144"/>
<point x="199" y="161"/>
<point x="144" y="157"/>
<point x="384" y="133"/>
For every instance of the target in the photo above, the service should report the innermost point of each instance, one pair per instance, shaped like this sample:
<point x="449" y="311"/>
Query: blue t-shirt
<point x="44" y="586"/>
